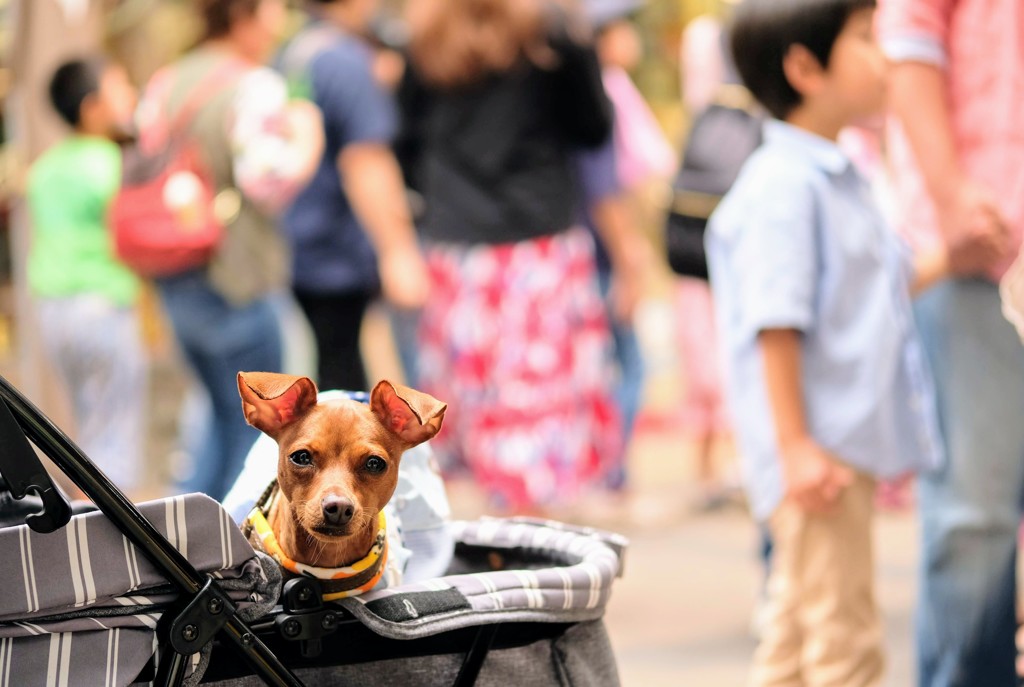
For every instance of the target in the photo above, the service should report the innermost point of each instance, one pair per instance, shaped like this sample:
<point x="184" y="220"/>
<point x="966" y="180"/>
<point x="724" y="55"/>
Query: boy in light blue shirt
<point x="825" y="375"/>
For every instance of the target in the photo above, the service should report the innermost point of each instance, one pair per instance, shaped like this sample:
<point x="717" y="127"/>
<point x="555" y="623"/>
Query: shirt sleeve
<point x="267" y="166"/>
<point x="774" y="259"/>
<point x="916" y="30"/>
<point x="356" y="108"/>
<point x="597" y="173"/>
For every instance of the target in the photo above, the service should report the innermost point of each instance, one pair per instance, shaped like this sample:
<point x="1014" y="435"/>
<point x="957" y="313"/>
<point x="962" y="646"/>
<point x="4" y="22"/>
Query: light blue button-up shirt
<point x="798" y="243"/>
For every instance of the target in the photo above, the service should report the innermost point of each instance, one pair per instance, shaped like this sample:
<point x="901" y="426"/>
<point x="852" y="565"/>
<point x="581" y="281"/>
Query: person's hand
<point x="403" y="277"/>
<point x="976" y="234"/>
<point x="814" y="479"/>
<point x="628" y="282"/>
<point x="624" y="296"/>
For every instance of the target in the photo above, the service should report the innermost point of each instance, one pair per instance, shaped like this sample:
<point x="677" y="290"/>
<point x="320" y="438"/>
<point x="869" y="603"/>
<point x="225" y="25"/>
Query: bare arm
<point x="814" y="479"/>
<point x="780" y="353"/>
<point x="919" y="97"/>
<point x="373" y="184"/>
<point x="968" y="216"/>
<point x="615" y="223"/>
<point x="929" y="268"/>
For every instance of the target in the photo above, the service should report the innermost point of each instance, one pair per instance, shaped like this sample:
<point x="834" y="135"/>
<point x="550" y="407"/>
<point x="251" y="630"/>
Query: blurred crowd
<point x="485" y="168"/>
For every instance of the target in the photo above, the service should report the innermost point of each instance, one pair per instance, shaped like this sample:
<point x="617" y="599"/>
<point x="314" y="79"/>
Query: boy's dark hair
<point x="762" y="31"/>
<point x="72" y="83"/>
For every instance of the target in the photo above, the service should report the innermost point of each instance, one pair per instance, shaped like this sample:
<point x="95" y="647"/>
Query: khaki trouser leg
<point x="823" y="629"/>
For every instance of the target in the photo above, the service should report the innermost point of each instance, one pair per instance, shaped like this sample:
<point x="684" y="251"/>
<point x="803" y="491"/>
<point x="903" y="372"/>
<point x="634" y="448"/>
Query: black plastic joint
<point x="203" y="617"/>
<point x="304" y="618"/>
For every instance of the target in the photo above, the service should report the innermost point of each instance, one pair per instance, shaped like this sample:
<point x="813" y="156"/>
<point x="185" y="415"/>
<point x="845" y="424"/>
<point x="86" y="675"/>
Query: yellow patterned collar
<point x="337" y="583"/>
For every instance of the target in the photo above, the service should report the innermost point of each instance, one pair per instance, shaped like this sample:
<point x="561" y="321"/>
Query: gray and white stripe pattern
<point x="6" y="649"/>
<point x="80" y="562"/>
<point x="576" y="587"/>
<point x="58" y="665"/>
<point x="90" y="562"/>
<point x="86" y="601"/>
<point x="28" y="570"/>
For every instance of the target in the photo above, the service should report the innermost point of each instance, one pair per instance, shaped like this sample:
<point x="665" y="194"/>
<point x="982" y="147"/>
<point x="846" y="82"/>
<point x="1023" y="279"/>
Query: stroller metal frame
<point x="461" y="622"/>
<point x="205" y="612"/>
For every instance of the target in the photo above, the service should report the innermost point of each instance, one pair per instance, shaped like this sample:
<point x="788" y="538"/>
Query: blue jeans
<point x="405" y="326"/>
<point x="630" y="384"/>
<point x="218" y="340"/>
<point x="970" y="508"/>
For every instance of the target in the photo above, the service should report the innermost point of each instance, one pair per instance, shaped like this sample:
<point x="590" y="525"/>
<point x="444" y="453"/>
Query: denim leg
<point x="196" y="437"/>
<point x="405" y="326"/>
<point x="630" y="384"/>
<point x="263" y="351"/>
<point x="970" y="509"/>
<point x="207" y="446"/>
<point x="297" y="338"/>
<point x="219" y="340"/>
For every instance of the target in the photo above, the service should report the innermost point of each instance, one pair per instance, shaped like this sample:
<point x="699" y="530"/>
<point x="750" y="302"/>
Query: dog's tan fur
<point x="340" y="437"/>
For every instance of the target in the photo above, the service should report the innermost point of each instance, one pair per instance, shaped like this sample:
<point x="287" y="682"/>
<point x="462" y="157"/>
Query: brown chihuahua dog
<point x="337" y="461"/>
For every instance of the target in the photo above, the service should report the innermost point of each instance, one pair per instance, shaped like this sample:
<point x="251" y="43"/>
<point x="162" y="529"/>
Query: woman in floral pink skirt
<point x="513" y="337"/>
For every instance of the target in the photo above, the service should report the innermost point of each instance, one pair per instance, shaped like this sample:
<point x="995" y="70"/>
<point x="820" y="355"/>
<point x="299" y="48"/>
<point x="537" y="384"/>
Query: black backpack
<point x="721" y="139"/>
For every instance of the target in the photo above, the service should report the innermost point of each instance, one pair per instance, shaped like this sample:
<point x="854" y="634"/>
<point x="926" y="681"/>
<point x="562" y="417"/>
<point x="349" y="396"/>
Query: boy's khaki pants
<point x="823" y="626"/>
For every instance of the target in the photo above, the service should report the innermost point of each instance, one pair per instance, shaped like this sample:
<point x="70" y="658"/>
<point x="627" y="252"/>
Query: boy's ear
<point x="802" y="69"/>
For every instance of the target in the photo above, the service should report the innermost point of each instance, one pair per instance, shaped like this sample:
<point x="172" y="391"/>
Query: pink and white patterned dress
<point x="514" y="338"/>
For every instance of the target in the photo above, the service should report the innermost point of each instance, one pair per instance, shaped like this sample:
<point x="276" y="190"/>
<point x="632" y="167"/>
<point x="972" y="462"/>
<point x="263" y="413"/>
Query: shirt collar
<point x="821" y="151"/>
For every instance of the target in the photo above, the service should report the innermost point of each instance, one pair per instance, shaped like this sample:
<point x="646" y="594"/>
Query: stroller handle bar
<point x="22" y="474"/>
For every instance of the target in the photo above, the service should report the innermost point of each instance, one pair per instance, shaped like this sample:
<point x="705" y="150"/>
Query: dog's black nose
<point x="338" y="510"/>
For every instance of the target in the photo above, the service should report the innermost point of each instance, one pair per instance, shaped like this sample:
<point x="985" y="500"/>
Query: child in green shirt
<point x="85" y="298"/>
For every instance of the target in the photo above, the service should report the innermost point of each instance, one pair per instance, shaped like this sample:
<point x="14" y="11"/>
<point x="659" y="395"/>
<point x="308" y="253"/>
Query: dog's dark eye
<point x="376" y="465"/>
<point x="301" y="458"/>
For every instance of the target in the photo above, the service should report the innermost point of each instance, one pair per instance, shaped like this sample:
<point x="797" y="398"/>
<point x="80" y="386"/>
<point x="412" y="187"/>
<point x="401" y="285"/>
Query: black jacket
<point x="492" y="161"/>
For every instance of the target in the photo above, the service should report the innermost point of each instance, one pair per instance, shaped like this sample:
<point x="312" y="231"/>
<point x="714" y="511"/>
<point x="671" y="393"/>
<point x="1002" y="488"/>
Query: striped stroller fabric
<point x="80" y="606"/>
<point x="541" y="613"/>
<point x="571" y="583"/>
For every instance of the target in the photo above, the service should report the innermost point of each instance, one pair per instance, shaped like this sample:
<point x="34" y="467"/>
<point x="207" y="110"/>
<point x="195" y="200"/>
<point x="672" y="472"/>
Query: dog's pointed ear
<point x="272" y="401"/>
<point x="413" y="415"/>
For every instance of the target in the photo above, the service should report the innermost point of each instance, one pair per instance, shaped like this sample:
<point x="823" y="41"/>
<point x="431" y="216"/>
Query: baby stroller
<point x="170" y="593"/>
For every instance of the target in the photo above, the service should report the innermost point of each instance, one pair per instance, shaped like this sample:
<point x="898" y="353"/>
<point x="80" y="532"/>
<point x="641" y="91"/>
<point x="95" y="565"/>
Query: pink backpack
<point x="168" y="217"/>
